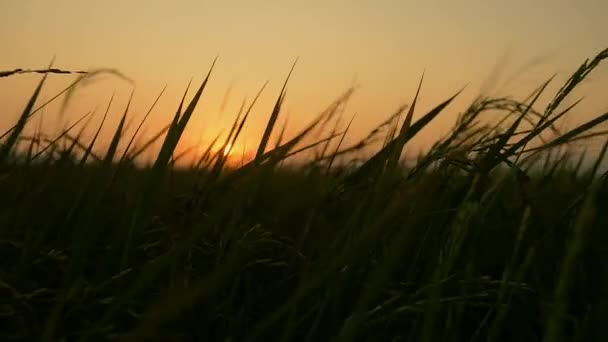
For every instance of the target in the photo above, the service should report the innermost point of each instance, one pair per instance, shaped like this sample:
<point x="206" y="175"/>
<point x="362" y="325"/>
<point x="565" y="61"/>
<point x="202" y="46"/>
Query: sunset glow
<point x="228" y="150"/>
<point x="382" y="46"/>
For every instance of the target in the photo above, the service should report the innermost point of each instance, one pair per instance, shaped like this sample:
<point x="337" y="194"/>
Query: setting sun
<point x="228" y="150"/>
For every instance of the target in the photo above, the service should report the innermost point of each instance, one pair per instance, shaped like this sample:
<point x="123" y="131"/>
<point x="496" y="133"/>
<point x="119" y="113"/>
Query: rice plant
<point x="495" y="233"/>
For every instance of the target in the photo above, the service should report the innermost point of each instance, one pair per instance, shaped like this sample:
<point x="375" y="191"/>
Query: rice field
<point x="496" y="233"/>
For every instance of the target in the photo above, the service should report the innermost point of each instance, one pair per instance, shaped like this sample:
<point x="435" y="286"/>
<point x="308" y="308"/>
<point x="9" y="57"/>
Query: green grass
<point x="496" y="233"/>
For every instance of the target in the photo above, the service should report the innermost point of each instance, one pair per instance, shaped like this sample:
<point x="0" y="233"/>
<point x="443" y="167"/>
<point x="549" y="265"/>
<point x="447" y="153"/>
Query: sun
<point x="228" y="150"/>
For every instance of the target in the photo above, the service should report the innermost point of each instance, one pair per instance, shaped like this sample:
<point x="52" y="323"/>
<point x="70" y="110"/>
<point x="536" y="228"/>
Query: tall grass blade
<point x="109" y="157"/>
<point x="141" y="123"/>
<point x="398" y="146"/>
<point x="54" y="142"/>
<point x="76" y="141"/>
<point x="273" y="117"/>
<point x="334" y="155"/>
<point x="376" y="162"/>
<point x="88" y="152"/>
<point x="572" y="134"/>
<point x="177" y="128"/>
<point x="145" y="146"/>
<point x="9" y="144"/>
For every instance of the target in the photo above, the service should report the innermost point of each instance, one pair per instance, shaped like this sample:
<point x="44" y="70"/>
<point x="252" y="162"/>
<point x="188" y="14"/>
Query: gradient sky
<point x="383" y="45"/>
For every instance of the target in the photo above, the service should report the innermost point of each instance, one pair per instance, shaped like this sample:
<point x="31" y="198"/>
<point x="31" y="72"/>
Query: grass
<point x="496" y="233"/>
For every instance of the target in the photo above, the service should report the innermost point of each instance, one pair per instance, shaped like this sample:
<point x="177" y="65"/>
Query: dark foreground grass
<point x="483" y="238"/>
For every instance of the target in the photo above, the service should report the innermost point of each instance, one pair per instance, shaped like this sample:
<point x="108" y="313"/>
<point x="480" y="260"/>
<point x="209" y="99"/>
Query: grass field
<point x="497" y="233"/>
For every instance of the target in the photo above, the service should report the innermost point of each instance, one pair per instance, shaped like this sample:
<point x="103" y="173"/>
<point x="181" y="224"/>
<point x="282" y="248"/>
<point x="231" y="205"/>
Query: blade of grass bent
<point x="494" y="157"/>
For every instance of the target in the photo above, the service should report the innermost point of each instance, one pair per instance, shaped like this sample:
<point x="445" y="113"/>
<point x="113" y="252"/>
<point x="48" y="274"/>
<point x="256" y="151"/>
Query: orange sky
<point x="383" y="45"/>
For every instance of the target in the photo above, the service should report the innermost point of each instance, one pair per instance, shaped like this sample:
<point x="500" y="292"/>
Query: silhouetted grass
<point x="482" y="238"/>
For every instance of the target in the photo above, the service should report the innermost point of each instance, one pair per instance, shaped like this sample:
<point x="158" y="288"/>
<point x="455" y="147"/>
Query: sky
<point x="384" y="46"/>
